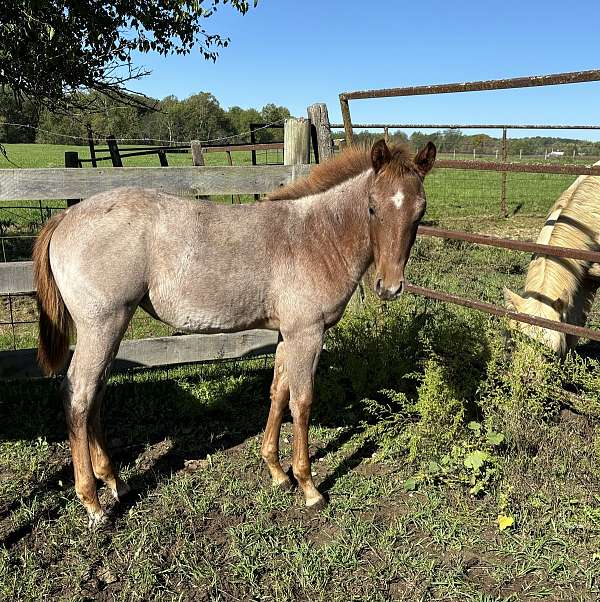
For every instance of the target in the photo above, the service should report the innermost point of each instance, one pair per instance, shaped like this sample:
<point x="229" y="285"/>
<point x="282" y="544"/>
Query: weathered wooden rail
<point x="64" y="183"/>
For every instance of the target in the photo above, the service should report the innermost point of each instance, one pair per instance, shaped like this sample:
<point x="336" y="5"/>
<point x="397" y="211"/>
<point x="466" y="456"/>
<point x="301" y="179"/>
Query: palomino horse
<point x="557" y="288"/>
<point x="290" y="265"/>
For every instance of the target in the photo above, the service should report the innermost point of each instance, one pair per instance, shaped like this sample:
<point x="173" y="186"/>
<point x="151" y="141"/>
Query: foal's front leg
<point x="280" y="397"/>
<point x="303" y="349"/>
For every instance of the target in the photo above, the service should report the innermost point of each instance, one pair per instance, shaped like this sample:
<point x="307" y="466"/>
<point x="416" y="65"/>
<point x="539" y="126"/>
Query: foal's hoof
<point x="316" y="504"/>
<point x="285" y="485"/>
<point x="121" y="491"/>
<point x="98" y="520"/>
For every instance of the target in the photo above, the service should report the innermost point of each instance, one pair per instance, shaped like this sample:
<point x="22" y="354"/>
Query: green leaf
<point x="494" y="438"/>
<point x="477" y="488"/>
<point x="411" y="484"/>
<point x="434" y="467"/>
<point x="476" y="459"/>
<point x="475" y="427"/>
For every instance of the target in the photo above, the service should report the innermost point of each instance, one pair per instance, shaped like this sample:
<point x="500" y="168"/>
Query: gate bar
<point x="571" y="77"/>
<point x="465" y="126"/>
<point x="508" y="243"/>
<point x="496" y="310"/>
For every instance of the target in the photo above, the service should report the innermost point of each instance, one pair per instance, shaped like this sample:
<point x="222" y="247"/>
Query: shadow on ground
<point x="158" y="423"/>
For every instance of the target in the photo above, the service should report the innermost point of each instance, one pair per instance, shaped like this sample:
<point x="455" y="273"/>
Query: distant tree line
<point x="198" y="117"/>
<point x="448" y="141"/>
<point x="201" y="117"/>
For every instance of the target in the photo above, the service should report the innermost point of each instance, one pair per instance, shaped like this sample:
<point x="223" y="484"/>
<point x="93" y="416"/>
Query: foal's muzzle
<point x="388" y="293"/>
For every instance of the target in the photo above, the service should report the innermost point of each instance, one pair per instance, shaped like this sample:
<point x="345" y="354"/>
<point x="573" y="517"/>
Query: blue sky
<point x="297" y="53"/>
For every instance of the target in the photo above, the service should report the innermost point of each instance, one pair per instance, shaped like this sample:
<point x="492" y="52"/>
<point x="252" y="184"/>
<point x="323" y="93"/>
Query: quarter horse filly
<point x="290" y="265"/>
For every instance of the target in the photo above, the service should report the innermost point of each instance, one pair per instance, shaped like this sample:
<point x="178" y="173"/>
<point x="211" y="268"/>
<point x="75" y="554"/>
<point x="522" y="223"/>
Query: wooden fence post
<point x="253" y="152"/>
<point x="92" y="148"/>
<point x="197" y="155"/>
<point x="296" y="141"/>
<point x="113" y="149"/>
<point x="162" y="157"/>
<point x="72" y="160"/>
<point x="321" y="131"/>
<point x="230" y="163"/>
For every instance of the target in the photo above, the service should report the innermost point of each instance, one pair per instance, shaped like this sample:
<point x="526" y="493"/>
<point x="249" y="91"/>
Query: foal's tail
<point x="55" y="321"/>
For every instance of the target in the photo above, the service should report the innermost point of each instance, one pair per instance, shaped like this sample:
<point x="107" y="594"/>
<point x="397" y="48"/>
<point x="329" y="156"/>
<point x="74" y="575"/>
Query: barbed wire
<point x="143" y="139"/>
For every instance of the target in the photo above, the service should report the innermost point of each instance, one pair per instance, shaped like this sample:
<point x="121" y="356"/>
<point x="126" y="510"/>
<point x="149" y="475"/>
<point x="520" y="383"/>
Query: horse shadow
<point x="159" y="425"/>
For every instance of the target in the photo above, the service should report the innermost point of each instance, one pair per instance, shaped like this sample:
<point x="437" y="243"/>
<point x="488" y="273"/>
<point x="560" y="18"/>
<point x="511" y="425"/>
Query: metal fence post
<point x="503" y="206"/>
<point x="345" y="108"/>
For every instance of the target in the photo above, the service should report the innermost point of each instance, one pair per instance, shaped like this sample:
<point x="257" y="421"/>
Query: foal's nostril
<point x="378" y="286"/>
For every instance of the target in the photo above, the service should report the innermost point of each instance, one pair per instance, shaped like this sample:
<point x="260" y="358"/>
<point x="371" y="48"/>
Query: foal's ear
<point x="425" y="158"/>
<point x="380" y="155"/>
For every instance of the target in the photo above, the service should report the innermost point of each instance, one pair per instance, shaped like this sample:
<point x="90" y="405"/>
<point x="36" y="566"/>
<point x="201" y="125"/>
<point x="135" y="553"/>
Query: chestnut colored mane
<point x="349" y="163"/>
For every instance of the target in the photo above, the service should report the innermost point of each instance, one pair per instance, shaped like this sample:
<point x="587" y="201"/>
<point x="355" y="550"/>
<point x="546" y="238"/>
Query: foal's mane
<point x="349" y="163"/>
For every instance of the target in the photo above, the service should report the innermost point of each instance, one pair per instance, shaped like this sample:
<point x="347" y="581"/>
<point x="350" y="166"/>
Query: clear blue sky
<point x="297" y="53"/>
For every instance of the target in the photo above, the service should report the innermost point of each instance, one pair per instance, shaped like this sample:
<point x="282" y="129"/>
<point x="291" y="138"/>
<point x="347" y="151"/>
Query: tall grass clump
<point x="446" y="391"/>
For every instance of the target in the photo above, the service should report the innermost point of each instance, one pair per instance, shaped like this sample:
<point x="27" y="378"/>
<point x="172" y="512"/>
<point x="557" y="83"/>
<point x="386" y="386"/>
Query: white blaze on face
<point x="398" y="198"/>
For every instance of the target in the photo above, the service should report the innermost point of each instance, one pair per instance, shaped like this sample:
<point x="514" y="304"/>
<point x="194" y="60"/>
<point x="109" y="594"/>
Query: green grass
<point x="429" y="423"/>
<point x="218" y="531"/>
<point x="53" y="155"/>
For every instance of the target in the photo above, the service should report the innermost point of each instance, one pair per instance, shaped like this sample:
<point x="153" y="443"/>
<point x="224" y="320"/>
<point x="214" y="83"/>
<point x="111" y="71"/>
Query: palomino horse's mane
<point x="560" y="286"/>
<point x="572" y="222"/>
<point x="349" y="163"/>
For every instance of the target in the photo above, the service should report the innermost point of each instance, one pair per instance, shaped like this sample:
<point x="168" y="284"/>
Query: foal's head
<point x="396" y="205"/>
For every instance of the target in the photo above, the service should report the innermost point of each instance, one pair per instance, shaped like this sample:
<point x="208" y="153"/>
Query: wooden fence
<point x="47" y="184"/>
<point x="16" y="277"/>
<point x="116" y="155"/>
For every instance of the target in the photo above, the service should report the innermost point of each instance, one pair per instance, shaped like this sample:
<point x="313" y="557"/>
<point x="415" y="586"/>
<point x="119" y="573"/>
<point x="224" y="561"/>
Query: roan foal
<point x="289" y="265"/>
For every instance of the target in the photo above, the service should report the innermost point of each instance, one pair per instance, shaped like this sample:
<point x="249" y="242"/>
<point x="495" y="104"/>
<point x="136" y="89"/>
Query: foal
<point x="290" y="265"/>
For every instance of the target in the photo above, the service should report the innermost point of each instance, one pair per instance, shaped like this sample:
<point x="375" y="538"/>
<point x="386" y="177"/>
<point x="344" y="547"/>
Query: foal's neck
<point x="339" y="218"/>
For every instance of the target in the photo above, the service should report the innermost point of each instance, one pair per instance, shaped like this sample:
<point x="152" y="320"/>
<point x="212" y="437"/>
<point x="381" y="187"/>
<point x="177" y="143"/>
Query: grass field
<point x="460" y="464"/>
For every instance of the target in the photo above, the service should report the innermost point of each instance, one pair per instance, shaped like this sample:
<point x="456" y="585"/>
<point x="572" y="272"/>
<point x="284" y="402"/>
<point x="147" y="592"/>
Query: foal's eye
<point x="371" y="211"/>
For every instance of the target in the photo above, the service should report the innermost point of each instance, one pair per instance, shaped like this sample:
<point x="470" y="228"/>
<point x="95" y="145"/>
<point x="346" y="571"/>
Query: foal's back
<point x="131" y="246"/>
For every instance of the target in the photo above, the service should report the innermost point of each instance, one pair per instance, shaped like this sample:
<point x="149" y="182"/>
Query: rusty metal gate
<point x="501" y="166"/>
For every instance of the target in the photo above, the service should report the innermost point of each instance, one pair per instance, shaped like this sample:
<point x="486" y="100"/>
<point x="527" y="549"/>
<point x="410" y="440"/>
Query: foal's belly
<point x="208" y="315"/>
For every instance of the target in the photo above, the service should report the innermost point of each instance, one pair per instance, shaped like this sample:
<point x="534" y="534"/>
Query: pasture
<point x="460" y="464"/>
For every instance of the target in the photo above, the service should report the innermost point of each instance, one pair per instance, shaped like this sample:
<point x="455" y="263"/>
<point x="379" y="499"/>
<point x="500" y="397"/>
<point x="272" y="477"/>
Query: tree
<point x="271" y="113"/>
<point x="452" y="139"/>
<point x="203" y="118"/>
<point x="242" y="118"/>
<point x="24" y="114"/>
<point x="50" y="50"/>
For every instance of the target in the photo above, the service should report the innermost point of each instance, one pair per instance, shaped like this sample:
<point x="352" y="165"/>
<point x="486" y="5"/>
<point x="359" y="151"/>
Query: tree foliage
<point x="52" y="49"/>
<point x="170" y="120"/>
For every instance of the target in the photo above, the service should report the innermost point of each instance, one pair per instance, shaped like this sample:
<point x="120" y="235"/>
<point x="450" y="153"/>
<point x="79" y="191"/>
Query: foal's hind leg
<point x="280" y="397"/>
<point x="82" y="387"/>
<point x="101" y="464"/>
